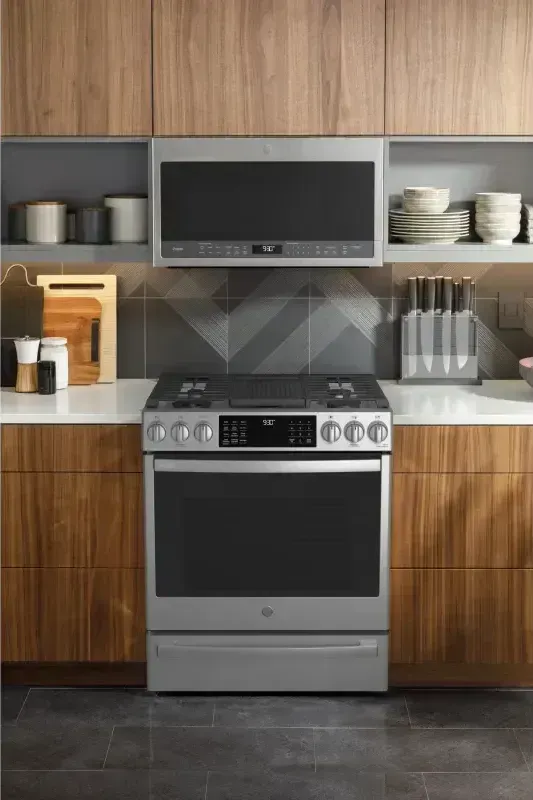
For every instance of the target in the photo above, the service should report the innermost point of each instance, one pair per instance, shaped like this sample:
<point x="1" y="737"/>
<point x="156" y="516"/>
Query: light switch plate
<point x="511" y="310"/>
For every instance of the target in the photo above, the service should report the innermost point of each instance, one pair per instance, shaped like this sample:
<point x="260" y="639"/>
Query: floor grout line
<point x="425" y="785"/>
<point x="314" y="747"/>
<point x="22" y="706"/>
<point x="108" y="746"/>
<point x="206" y="783"/>
<point x="213" y="718"/>
<point x="520" y="748"/>
<point x="407" y="709"/>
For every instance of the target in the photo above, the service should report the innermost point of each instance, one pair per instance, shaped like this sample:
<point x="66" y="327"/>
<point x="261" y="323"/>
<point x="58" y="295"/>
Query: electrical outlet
<point x="511" y="310"/>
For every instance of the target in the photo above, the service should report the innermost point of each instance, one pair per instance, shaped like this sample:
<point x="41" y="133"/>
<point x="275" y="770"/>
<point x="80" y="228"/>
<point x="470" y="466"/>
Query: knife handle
<point x="447" y="295"/>
<point x="467" y="283"/>
<point x="421" y="291"/>
<point x="95" y="340"/>
<point x="430" y="294"/>
<point x="473" y="297"/>
<point x="439" y="291"/>
<point x="412" y="295"/>
<point x="456" y="297"/>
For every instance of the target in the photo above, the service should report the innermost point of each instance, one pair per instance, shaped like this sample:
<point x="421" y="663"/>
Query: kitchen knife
<point x="412" y="326"/>
<point x="447" y="323"/>
<point x="462" y="325"/>
<point x="427" y="324"/>
<point x="456" y="297"/>
<point x="473" y="297"/>
<point x="412" y="295"/>
<point x="439" y="288"/>
<point x="421" y="292"/>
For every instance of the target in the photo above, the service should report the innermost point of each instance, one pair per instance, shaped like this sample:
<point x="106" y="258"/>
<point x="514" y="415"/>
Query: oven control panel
<point x="255" y="430"/>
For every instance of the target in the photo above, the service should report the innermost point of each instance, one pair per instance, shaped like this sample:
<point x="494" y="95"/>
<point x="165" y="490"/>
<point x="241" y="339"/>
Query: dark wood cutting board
<point x="21" y="314"/>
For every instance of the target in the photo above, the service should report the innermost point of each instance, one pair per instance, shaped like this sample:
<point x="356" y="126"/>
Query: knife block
<point x="453" y="357"/>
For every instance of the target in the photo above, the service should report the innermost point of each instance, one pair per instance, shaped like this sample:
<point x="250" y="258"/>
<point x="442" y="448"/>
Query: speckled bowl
<point x="525" y="365"/>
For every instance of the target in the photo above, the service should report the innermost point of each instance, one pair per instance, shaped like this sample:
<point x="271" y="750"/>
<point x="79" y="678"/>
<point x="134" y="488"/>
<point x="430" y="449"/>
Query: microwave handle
<point x="266" y="467"/>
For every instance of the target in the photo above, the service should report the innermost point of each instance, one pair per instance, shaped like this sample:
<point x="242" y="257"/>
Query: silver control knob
<point x="354" y="432"/>
<point x="179" y="432"/>
<point x="156" y="432"/>
<point x="377" y="432"/>
<point x="203" y="432"/>
<point x="330" y="432"/>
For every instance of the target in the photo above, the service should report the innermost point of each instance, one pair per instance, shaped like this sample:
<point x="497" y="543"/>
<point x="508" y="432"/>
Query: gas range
<point x="333" y="412"/>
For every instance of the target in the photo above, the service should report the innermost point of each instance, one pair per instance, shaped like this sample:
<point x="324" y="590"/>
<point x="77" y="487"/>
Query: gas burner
<point x="193" y="399"/>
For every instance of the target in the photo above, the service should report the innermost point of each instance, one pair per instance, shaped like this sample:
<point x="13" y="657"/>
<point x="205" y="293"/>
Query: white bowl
<point x="498" y="197"/>
<point x="496" y="207"/>
<point x="425" y="192"/>
<point x="502" y="218"/>
<point x="433" y="207"/>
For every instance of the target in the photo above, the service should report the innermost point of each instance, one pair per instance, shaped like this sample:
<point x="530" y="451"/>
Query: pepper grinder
<point x="27" y="350"/>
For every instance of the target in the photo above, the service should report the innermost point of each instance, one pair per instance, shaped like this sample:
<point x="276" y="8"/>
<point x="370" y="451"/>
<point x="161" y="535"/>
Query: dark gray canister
<point x="92" y="225"/>
<point x="16" y="222"/>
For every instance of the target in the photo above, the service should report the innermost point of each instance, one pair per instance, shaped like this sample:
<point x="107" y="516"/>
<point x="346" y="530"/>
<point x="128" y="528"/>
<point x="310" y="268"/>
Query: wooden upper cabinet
<point x="459" y="67"/>
<point x="268" y="67"/>
<point x="76" y="67"/>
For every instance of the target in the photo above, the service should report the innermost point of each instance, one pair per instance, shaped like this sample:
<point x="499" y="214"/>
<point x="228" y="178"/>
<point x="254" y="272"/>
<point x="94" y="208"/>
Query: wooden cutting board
<point x="104" y="289"/>
<point x="78" y="320"/>
<point x="21" y="314"/>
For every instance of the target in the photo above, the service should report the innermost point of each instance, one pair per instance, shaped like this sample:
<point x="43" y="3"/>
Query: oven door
<point x="267" y="543"/>
<point x="285" y="202"/>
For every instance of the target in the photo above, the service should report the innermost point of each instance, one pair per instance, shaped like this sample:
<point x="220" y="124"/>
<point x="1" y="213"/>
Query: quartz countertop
<point x="493" y="403"/>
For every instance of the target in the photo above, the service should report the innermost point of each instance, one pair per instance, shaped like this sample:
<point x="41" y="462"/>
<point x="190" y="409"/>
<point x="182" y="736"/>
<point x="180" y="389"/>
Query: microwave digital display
<point x="267" y="249"/>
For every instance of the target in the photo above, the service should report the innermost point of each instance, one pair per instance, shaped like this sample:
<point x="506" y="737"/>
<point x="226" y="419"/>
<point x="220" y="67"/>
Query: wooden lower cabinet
<point x="73" y="615"/>
<point x="468" y="616"/>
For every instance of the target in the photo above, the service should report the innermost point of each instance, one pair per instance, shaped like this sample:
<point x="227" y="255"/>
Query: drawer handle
<point x="366" y="649"/>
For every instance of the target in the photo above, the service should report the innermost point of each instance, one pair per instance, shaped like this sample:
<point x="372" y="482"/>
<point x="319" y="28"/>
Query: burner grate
<point x="265" y="392"/>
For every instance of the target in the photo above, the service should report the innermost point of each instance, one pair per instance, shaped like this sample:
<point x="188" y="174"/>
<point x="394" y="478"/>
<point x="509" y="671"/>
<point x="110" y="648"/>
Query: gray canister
<point x="92" y="225"/>
<point x="16" y="222"/>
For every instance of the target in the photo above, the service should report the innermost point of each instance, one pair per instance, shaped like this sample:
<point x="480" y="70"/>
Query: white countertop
<point x="493" y="403"/>
<point x="100" y="404"/>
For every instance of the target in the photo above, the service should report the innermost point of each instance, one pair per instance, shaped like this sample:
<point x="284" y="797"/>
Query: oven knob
<point x="156" y="432"/>
<point x="331" y="432"/>
<point x="179" y="432"/>
<point x="203" y="432"/>
<point x="377" y="432"/>
<point x="354" y="432"/>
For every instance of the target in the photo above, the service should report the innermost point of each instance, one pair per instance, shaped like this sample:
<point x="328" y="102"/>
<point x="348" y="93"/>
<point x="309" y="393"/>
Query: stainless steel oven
<point x="288" y="202"/>
<point x="267" y="571"/>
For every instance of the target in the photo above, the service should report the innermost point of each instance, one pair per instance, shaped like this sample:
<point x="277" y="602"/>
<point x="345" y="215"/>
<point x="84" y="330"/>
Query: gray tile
<point x="187" y="283"/>
<point x="376" y="280"/>
<point x="17" y="275"/>
<point x="12" y="701"/>
<point x="129" y="748"/>
<point x="88" y="707"/>
<point x="189" y="335"/>
<point x="179" y="710"/>
<point x="82" y="785"/>
<point x="130" y="338"/>
<point x="352" y="334"/>
<point x="483" y="786"/>
<point x="393" y="749"/>
<point x="269" y="335"/>
<point x="130" y="275"/>
<point x="342" y="785"/>
<point x="471" y="709"/>
<point x="525" y="740"/>
<point x="42" y="745"/>
<point x="235" y="750"/>
<point x="267" y="282"/>
<point x="490" y="278"/>
<point x="170" y="785"/>
<point x="499" y="350"/>
<point x="305" y="711"/>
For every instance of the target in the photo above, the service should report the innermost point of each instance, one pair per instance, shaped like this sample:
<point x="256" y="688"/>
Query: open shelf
<point x="77" y="253"/>
<point x="460" y="252"/>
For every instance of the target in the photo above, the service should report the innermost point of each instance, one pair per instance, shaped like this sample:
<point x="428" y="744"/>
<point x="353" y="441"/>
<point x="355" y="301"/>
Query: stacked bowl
<point x="527" y="223"/>
<point x="498" y="217"/>
<point x="425" y="218"/>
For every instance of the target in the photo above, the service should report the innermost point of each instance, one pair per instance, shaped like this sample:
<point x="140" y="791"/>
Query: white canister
<point x="54" y="348"/>
<point x="46" y="222"/>
<point x="129" y="217"/>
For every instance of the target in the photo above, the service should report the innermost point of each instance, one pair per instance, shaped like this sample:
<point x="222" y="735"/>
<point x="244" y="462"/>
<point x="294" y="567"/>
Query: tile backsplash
<point x="289" y="320"/>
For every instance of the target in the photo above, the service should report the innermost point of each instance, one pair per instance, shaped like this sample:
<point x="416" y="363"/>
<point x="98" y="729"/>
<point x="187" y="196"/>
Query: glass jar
<point x="54" y="348"/>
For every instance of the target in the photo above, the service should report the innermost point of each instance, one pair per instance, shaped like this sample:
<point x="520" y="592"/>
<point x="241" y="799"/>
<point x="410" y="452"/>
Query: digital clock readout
<point x="267" y="249"/>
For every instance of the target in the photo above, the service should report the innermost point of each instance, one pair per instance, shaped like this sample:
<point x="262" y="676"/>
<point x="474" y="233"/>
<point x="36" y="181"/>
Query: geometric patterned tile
<point x="376" y="281"/>
<point x="184" y="283"/>
<point x="499" y="350"/>
<point x="130" y="276"/>
<point x="130" y="338"/>
<point x="490" y="278"/>
<point x="256" y="283"/>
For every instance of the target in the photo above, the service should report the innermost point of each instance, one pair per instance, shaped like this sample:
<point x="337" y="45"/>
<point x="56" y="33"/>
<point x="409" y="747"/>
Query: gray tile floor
<point x="130" y="745"/>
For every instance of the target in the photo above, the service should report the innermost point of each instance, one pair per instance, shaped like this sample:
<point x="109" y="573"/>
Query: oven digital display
<point x="268" y="431"/>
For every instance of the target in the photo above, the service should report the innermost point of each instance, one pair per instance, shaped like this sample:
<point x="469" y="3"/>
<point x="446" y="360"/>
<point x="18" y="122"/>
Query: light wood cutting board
<point x="104" y="289"/>
<point x="78" y="320"/>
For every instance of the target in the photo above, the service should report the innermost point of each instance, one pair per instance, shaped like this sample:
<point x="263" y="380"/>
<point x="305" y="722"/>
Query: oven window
<point x="302" y="535"/>
<point x="266" y="202"/>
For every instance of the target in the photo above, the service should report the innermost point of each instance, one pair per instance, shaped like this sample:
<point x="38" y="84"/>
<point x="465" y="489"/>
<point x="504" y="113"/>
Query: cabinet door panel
<point x="472" y="616"/>
<point x="459" y="67"/>
<point x="27" y="448"/>
<point x="72" y="520"/>
<point x="72" y="67"/>
<point x="51" y="615"/>
<point x="462" y="520"/>
<point x="97" y="448"/>
<point x="268" y="67"/>
<point x="451" y="448"/>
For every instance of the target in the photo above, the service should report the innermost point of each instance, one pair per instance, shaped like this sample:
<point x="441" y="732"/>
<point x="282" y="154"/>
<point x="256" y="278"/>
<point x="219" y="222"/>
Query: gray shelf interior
<point x="79" y="172"/>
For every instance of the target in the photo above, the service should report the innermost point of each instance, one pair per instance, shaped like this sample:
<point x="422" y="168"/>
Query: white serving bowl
<point x="425" y="207"/>
<point x="503" y="218"/>
<point x="497" y="207"/>
<point x="498" y="197"/>
<point x="497" y="236"/>
<point x="425" y="192"/>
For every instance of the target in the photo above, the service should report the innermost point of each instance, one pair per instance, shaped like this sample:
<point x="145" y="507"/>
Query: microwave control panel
<point x="272" y="249"/>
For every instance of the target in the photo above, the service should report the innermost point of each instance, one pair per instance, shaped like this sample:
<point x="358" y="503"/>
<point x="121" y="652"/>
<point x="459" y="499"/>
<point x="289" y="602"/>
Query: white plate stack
<point x="426" y="219"/>
<point x="498" y="217"/>
<point x="527" y="223"/>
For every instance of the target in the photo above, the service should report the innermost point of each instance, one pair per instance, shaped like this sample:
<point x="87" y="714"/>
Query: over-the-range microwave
<point x="287" y="202"/>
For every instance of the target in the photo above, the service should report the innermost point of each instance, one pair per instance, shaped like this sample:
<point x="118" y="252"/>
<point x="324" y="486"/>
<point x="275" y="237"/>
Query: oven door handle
<point x="366" y="648"/>
<point x="266" y="467"/>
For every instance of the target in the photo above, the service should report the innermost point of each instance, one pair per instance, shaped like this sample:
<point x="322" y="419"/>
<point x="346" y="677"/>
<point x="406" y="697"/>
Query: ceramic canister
<point x="16" y="222"/>
<point x="46" y="222"/>
<point x="129" y="217"/>
<point x="92" y="225"/>
<point x="54" y="348"/>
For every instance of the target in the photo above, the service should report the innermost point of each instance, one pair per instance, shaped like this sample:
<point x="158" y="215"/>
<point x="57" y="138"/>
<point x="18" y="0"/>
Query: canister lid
<point x="53" y="341"/>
